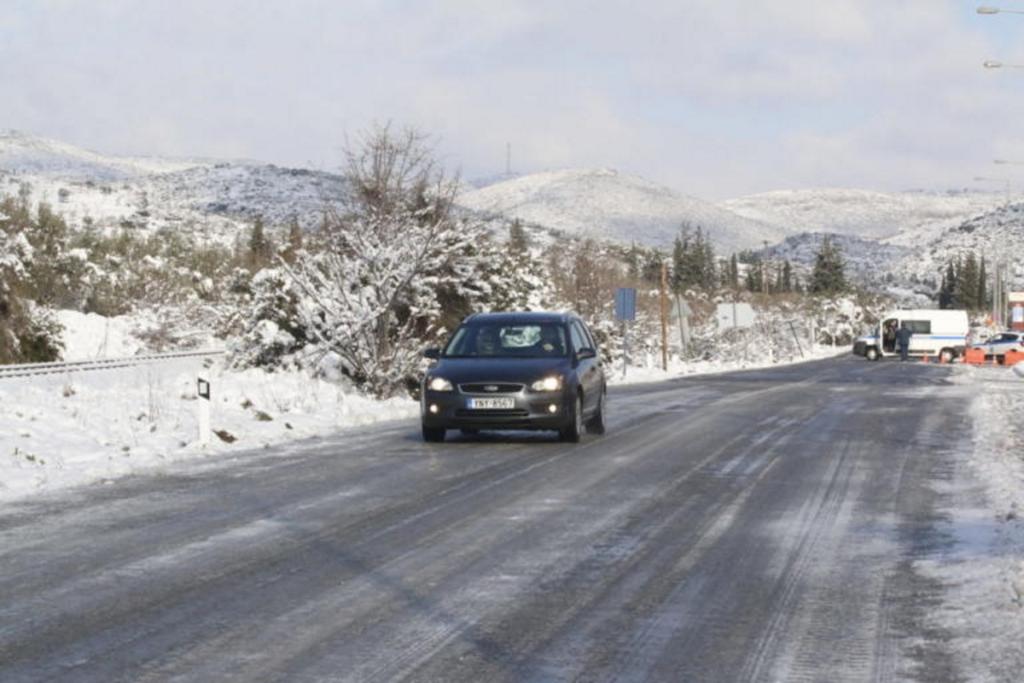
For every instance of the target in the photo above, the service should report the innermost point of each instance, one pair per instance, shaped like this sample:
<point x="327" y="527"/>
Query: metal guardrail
<point x="31" y="369"/>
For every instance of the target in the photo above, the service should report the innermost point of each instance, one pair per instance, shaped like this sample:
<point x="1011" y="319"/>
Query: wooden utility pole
<point x="664" y="316"/>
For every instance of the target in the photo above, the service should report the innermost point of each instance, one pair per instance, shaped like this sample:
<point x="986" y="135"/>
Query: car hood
<point x="521" y="370"/>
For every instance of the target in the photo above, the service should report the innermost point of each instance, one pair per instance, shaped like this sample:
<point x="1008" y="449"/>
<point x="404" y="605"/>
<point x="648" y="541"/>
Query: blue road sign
<point x="625" y="303"/>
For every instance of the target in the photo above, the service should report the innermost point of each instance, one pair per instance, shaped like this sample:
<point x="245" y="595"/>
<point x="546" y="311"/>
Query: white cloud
<point x="717" y="97"/>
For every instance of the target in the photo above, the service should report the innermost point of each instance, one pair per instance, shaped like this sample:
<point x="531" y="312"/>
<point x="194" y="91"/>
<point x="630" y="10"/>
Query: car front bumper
<point x="531" y="410"/>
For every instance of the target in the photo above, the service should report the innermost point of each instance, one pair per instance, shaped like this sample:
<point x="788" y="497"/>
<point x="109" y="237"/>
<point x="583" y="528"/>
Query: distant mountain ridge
<point x="898" y="239"/>
<point x="861" y="213"/>
<point x="22" y="152"/>
<point x="607" y="204"/>
<point x="216" y="198"/>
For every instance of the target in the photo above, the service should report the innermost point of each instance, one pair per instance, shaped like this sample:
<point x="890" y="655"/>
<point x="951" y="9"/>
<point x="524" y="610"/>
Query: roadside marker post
<point x="203" y="397"/>
<point x="625" y="311"/>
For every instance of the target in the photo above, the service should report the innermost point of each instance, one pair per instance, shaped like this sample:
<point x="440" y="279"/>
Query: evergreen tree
<point x="787" y="277"/>
<point x="693" y="261"/>
<point x="967" y="281"/>
<point x="518" y="242"/>
<point x="828" y="276"/>
<point x="707" y="259"/>
<point x="982" y="286"/>
<point x="260" y="249"/>
<point x="755" y="275"/>
<point x="677" y="280"/>
<point x="294" y="242"/>
<point x="651" y="272"/>
<point x="947" y="291"/>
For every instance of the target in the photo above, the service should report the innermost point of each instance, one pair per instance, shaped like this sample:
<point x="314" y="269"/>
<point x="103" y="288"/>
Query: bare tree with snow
<point x="371" y="291"/>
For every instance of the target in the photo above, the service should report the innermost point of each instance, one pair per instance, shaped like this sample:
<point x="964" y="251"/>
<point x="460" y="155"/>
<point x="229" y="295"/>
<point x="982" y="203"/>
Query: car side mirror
<point x="432" y="353"/>
<point x="585" y="353"/>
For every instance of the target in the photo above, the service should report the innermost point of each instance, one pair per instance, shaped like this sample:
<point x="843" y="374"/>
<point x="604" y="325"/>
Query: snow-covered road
<point x="780" y="524"/>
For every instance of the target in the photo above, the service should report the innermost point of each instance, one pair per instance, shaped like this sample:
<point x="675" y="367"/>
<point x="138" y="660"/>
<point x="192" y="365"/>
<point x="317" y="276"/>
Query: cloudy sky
<point x="715" y="98"/>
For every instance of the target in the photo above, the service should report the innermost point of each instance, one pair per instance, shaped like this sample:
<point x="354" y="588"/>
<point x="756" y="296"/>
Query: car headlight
<point x="439" y="384"/>
<point x="547" y="384"/>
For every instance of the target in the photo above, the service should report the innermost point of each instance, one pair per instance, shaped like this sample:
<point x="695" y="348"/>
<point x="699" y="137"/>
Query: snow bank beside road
<point x="59" y="431"/>
<point x="984" y="570"/>
<point x="88" y="336"/>
<point x="650" y="370"/>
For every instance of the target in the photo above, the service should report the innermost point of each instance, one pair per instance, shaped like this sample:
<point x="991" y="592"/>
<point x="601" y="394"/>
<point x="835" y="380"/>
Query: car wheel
<point x="871" y="354"/>
<point x="574" y="430"/>
<point x="433" y="434"/>
<point x="946" y="355"/>
<point x="595" y="425"/>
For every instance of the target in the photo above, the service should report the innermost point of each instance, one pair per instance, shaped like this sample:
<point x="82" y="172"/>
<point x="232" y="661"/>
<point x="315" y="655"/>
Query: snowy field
<point x="984" y="570"/>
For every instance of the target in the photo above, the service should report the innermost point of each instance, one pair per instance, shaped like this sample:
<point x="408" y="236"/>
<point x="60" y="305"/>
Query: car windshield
<point x="493" y="340"/>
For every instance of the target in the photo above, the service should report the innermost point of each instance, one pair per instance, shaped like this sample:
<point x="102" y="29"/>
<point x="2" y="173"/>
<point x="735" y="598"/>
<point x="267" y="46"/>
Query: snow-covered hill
<point x="215" y="198"/>
<point x="867" y="261"/>
<point x="217" y="202"/>
<point x="996" y="236"/>
<point x="606" y="204"/>
<point x="276" y="194"/>
<point x="863" y="213"/>
<point x="23" y="153"/>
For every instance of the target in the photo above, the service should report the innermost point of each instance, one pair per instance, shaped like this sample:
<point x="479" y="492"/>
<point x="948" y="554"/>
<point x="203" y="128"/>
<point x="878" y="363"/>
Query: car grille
<point x="482" y="388"/>
<point x="491" y="413"/>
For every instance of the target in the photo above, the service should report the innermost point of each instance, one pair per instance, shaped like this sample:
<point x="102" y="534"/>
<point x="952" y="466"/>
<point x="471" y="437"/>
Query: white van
<point x="937" y="333"/>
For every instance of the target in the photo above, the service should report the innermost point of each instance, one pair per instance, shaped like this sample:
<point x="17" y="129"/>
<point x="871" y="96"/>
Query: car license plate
<point x="492" y="403"/>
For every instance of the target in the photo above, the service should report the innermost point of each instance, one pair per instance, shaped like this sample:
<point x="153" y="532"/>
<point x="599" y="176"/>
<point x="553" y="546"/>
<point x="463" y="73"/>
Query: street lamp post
<point x="999" y="277"/>
<point x="998" y="10"/>
<point x="999" y="290"/>
<point x="993" y="64"/>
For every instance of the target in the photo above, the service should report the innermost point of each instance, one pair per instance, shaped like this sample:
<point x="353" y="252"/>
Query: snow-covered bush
<point x="271" y="327"/>
<point x="28" y="331"/>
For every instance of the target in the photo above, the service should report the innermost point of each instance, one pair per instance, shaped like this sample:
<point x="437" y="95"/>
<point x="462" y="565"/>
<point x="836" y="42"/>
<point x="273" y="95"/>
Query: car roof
<point x="520" y="317"/>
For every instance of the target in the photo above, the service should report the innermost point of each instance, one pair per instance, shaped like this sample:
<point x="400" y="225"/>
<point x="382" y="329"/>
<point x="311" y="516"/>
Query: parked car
<point x="936" y="333"/>
<point x="516" y="371"/>
<point x="997" y="345"/>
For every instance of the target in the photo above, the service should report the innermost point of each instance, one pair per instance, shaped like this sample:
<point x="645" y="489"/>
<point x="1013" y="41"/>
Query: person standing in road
<point x="903" y="337"/>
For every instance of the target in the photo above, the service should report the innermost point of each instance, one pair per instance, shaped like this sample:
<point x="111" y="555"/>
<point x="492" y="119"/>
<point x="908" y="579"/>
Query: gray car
<point x="537" y="371"/>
